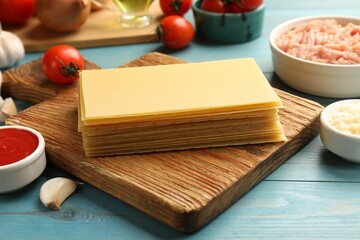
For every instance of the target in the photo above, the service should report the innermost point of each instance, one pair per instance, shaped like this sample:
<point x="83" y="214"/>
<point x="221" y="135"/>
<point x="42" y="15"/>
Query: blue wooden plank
<point x="319" y="5"/>
<point x="314" y="195"/>
<point x="272" y="210"/>
<point x="315" y="163"/>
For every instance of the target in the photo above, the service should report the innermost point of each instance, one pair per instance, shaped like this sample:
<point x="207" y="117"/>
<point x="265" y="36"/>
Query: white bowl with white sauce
<point x="320" y="79"/>
<point x="340" y="129"/>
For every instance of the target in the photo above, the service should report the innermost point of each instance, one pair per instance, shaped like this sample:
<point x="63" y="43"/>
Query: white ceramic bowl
<point x="326" y="80"/>
<point x="16" y="175"/>
<point x="343" y="144"/>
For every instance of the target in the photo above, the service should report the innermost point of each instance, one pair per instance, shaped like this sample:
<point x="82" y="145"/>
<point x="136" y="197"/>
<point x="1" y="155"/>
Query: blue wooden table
<point x="314" y="195"/>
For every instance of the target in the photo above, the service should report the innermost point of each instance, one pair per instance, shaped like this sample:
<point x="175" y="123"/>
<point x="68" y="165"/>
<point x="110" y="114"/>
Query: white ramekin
<point x="18" y="174"/>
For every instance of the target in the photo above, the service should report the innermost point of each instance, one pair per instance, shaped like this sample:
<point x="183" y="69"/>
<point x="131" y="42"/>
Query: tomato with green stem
<point x="217" y="6"/>
<point x="247" y="5"/>
<point x="230" y="6"/>
<point x="175" y="32"/>
<point x="234" y="7"/>
<point x="175" y="7"/>
<point x="62" y="64"/>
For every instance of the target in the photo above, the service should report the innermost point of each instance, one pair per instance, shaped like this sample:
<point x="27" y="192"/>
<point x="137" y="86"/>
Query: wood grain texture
<point x="102" y="28"/>
<point x="183" y="189"/>
<point x="27" y="82"/>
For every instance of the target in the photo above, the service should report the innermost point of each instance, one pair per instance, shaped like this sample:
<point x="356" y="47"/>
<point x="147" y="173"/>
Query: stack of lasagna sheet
<point x="180" y="106"/>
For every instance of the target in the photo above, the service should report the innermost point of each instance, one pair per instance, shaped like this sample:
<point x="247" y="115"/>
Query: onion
<point x="98" y="4"/>
<point x="62" y="15"/>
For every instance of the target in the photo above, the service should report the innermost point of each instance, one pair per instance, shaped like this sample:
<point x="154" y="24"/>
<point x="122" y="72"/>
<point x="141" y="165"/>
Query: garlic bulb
<point x="11" y="49"/>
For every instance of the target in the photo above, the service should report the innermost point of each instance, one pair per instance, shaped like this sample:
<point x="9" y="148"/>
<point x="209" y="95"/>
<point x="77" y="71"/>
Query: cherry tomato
<point x="234" y="7"/>
<point x="175" y="7"/>
<point x="61" y="64"/>
<point x="16" y="11"/>
<point x="249" y="4"/>
<point x="217" y="6"/>
<point x="175" y="32"/>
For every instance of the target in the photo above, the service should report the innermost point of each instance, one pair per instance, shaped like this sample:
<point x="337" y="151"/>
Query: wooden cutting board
<point x="183" y="189"/>
<point x="102" y="28"/>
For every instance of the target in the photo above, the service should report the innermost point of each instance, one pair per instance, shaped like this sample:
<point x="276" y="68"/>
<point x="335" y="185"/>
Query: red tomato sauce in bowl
<point x="16" y="144"/>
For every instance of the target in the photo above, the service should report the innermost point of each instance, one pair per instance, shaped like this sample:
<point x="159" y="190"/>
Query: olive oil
<point x="133" y="6"/>
<point x="134" y="13"/>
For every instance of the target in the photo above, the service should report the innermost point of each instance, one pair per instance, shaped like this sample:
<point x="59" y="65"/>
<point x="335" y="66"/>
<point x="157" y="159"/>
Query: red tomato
<point x="217" y="6"/>
<point x="175" y="7"/>
<point x="61" y="64"/>
<point x="249" y="4"/>
<point x="16" y="11"/>
<point x="175" y="32"/>
<point x="234" y="7"/>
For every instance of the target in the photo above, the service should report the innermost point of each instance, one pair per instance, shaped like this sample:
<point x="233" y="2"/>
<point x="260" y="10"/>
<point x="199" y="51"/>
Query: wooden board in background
<point x="102" y="28"/>
<point x="183" y="189"/>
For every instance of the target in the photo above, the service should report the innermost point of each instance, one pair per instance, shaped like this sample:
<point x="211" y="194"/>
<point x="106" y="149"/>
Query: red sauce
<point x="16" y="144"/>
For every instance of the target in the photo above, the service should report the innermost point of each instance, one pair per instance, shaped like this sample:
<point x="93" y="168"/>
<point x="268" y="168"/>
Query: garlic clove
<point x="54" y="192"/>
<point x="2" y="115"/>
<point x="7" y="106"/>
<point x="1" y="80"/>
<point x="7" y="109"/>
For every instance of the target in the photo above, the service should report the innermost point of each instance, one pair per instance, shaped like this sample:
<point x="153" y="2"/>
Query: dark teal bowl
<point x="228" y="28"/>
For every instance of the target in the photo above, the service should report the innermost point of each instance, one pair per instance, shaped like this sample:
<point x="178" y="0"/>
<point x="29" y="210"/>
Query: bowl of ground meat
<point x="319" y="55"/>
